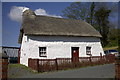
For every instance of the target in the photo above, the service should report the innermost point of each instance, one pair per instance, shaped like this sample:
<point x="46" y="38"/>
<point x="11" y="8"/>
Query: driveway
<point x="101" y="71"/>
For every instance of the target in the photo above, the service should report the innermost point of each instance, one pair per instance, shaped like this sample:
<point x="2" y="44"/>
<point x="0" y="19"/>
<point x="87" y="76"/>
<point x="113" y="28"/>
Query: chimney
<point x="28" y="15"/>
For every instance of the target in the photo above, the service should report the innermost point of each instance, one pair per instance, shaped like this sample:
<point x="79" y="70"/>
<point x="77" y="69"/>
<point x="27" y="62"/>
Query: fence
<point x="117" y="68"/>
<point x="3" y="66"/>
<point x="42" y="65"/>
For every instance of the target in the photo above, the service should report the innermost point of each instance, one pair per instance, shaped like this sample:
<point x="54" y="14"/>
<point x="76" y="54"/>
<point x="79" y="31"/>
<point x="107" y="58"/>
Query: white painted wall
<point x="57" y="47"/>
<point x="11" y="52"/>
<point x="0" y="49"/>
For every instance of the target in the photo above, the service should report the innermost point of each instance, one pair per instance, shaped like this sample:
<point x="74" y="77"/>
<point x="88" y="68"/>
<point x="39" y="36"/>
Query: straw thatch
<point x="51" y="26"/>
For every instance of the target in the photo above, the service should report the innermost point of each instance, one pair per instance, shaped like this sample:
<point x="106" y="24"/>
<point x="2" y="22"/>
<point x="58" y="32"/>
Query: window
<point x="42" y="52"/>
<point x="88" y="50"/>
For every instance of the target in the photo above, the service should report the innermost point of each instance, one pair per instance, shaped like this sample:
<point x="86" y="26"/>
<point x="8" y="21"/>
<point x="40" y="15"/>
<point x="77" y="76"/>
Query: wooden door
<point x="75" y="54"/>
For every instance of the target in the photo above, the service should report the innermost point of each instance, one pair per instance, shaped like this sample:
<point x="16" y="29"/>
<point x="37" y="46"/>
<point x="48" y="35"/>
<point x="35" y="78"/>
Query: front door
<point x="75" y="54"/>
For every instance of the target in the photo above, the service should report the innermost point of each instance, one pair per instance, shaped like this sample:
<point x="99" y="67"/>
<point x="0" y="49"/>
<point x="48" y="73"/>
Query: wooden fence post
<point x="33" y="64"/>
<point x="117" y="68"/>
<point x="4" y="66"/>
<point x="101" y="59"/>
<point x="19" y="53"/>
<point x="56" y="64"/>
<point x="90" y="59"/>
<point x="29" y="61"/>
<point x="38" y="65"/>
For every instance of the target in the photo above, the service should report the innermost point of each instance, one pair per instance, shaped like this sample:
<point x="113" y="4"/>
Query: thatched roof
<point x="51" y="26"/>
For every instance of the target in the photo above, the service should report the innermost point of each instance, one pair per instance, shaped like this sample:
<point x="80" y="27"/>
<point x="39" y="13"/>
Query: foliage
<point x="96" y="15"/>
<point x="113" y="34"/>
<point x="119" y="41"/>
<point x="80" y="11"/>
<point x="92" y="9"/>
<point x="114" y="38"/>
<point x="20" y="66"/>
<point x="108" y="48"/>
<point x="101" y="16"/>
<point x="77" y="11"/>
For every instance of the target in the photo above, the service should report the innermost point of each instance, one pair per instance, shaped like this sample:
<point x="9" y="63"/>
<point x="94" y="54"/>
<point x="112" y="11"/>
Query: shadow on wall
<point x="64" y="39"/>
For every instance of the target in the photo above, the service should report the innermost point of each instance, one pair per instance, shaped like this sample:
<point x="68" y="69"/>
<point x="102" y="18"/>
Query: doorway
<point x="75" y="54"/>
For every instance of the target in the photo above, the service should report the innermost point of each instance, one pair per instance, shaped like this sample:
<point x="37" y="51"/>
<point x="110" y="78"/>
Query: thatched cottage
<point x="43" y="37"/>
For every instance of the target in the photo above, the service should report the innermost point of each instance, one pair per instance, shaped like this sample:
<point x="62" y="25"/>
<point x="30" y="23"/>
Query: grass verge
<point x="108" y="48"/>
<point x="22" y="67"/>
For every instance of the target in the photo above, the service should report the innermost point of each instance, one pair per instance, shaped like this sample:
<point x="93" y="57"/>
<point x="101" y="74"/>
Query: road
<point x="101" y="71"/>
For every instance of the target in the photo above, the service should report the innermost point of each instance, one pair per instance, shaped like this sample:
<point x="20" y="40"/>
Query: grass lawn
<point x="107" y="48"/>
<point x="18" y="70"/>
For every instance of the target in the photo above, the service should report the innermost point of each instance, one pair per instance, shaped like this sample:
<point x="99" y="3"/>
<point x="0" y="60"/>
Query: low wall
<point x="117" y="68"/>
<point x="3" y="66"/>
<point x="3" y="69"/>
<point x="0" y="69"/>
<point x="42" y="65"/>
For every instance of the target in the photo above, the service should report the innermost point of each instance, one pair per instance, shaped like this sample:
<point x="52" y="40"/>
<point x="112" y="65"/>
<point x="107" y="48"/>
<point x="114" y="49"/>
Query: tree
<point x="77" y="11"/>
<point x="80" y="11"/>
<point x="119" y="41"/>
<point x="101" y="16"/>
<point x="112" y="37"/>
<point x="92" y="12"/>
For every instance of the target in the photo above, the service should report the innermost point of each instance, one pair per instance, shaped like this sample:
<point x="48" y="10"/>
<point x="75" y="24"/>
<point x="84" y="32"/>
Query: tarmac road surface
<point x="101" y="71"/>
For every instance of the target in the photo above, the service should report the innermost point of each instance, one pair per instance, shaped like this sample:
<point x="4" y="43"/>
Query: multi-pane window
<point x="42" y="52"/>
<point x="88" y="50"/>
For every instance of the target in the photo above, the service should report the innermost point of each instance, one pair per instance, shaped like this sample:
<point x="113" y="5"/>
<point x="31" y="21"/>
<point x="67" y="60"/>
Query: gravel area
<point x="101" y="71"/>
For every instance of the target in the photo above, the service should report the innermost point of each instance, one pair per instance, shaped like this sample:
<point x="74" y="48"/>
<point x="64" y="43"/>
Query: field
<point x="107" y="48"/>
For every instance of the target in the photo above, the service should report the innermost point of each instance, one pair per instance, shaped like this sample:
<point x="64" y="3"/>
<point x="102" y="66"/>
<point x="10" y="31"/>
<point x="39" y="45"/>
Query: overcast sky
<point x="12" y="11"/>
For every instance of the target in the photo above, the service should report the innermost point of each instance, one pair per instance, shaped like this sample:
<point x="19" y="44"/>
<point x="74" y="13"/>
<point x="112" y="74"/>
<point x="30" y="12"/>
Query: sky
<point x="60" y="0"/>
<point x="12" y="11"/>
<point x="10" y="29"/>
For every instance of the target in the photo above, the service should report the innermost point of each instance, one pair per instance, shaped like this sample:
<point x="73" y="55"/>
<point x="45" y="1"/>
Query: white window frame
<point x="88" y="50"/>
<point x="42" y="51"/>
